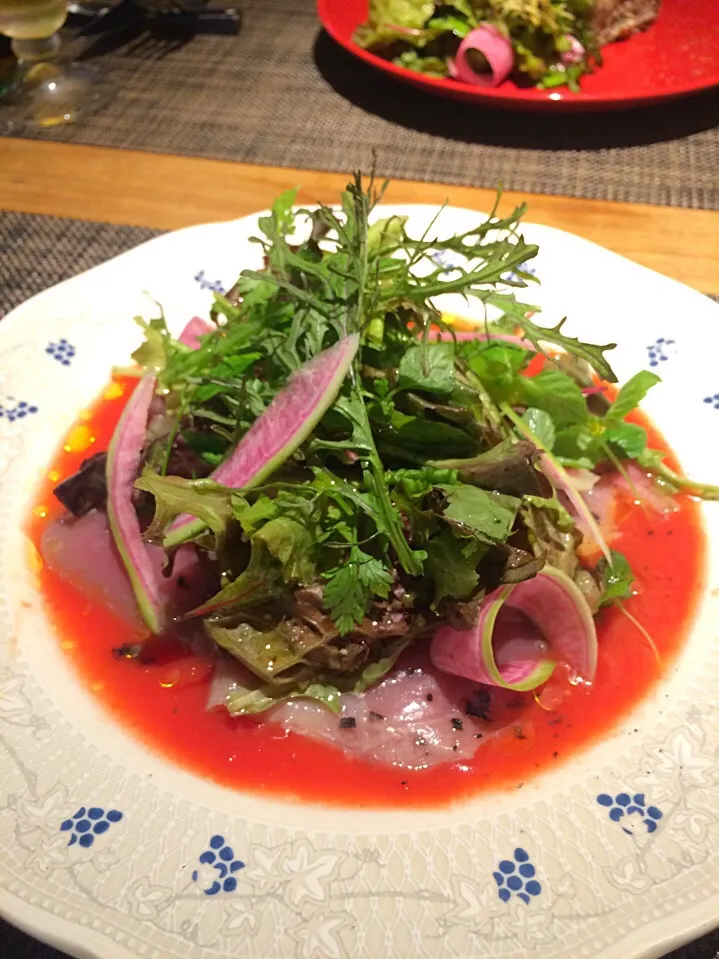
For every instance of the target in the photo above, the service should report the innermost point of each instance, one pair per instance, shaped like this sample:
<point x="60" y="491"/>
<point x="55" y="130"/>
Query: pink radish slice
<point x="497" y="50"/>
<point x="502" y="650"/>
<point x="191" y="334"/>
<point x="285" y="424"/>
<point x="123" y="464"/>
<point x="555" y="604"/>
<point x="576" y="51"/>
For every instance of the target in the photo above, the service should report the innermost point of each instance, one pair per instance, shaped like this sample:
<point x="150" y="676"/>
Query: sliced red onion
<point x="576" y="51"/>
<point x="497" y="50"/>
<point x="561" y="480"/>
<point x="196" y="328"/>
<point x="503" y="648"/>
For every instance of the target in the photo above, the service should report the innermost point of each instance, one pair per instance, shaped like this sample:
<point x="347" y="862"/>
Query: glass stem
<point x="36" y="50"/>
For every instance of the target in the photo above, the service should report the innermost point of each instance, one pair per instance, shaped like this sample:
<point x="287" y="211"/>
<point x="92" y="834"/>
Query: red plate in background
<point x="676" y="56"/>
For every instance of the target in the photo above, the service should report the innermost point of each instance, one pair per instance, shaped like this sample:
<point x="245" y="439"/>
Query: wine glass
<point x="49" y="90"/>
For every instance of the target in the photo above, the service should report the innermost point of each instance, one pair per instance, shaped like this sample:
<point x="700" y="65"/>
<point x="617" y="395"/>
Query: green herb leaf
<point x="292" y="545"/>
<point x="248" y="701"/>
<point x="617" y="578"/>
<point x="174" y="495"/>
<point x="487" y="516"/>
<point x="267" y="653"/>
<point x="557" y="394"/>
<point x="541" y="425"/>
<point x="428" y="367"/>
<point x="631" y="395"/>
<point x="157" y="350"/>
<point x="452" y="564"/>
<point x="628" y="439"/>
<point x="594" y="355"/>
<point x="350" y="589"/>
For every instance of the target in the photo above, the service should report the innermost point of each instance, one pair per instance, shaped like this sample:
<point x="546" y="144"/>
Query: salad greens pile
<point x="419" y="490"/>
<point x="422" y="35"/>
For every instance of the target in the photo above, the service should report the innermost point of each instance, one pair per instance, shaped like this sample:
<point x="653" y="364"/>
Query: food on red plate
<point x="338" y="550"/>
<point x="546" y="43"/>
<point x="616" y="19"/>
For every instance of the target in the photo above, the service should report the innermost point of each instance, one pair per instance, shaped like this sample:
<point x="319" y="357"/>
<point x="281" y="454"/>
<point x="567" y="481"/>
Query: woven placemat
<point x="283" y="93"/>
<point x="36" y="252"/>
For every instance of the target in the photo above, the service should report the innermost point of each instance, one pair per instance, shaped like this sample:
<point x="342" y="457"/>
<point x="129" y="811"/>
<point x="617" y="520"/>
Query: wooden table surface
<point x="166" y="192"/>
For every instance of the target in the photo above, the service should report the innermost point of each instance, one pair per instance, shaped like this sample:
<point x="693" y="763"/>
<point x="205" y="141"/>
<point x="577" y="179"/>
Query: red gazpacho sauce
<point x="163" y="702"/>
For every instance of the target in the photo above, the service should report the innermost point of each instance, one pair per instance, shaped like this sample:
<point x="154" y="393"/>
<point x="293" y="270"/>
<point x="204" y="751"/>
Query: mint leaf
<point x="631" y="395"/>
<point x="497" y="364"/>
<point x="428" y="367"/>
<point x="628" y="439"/>
<point x="557" y="394"/>
<point x="578" y="443"/>
<point x="541" y="425"/>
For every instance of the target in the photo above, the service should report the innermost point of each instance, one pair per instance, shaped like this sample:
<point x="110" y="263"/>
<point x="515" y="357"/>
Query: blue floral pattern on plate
<point x="622" y="806"/>
<point x="62" y="351"/>
<point x="516" y="877"/>
<point x="660" y="350"/>
<point x="17" y="412"/>
<point x="215" y="285"/>
<point x="86" y="824"/>
<point x="220" y="866"/>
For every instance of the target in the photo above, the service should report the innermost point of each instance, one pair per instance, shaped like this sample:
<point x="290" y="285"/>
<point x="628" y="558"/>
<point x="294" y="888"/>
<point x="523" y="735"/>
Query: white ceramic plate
<point x="100" y="840"/>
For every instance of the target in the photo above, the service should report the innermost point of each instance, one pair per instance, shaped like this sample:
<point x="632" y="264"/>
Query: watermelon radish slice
<point x="285" y="424"/>
<point x="123" y="464"/>
<point x="192" y="332"/>
<point x="521" y="632"/>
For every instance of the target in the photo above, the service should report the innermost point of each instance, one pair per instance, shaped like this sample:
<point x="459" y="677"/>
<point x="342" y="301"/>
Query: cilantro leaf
<point x="617" y="578"/>
<point x="350" y="589"/>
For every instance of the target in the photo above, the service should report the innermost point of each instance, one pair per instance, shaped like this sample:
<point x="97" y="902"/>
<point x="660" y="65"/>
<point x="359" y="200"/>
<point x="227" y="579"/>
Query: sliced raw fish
<point x="415" y="718"/>
<point x="82" y="552"/>
<point x="612" y="496"/>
